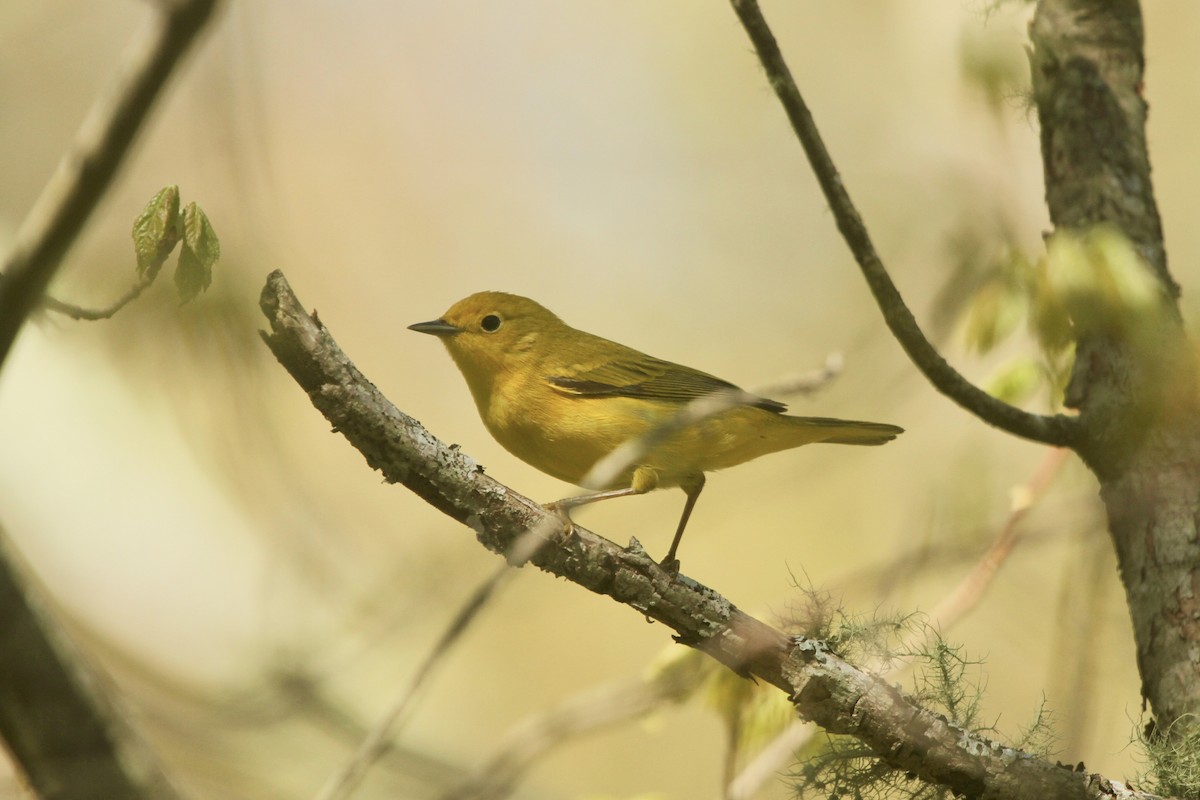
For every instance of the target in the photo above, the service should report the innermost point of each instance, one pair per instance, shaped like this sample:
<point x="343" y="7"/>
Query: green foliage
<point x="1007" y="290"/>
<point x="1099" y="280"/>
<point x="160" y="226"/>
<point x="1089" y="282"/>
<point x="752" y="712"/>
<point x="201" y="250"/>
<point x="943" y="679"/>
<point x="1017" y="381"/>
<point x="1173" y="756"/>
<point x="997" y="309"/>
<point x="155" y="232"/>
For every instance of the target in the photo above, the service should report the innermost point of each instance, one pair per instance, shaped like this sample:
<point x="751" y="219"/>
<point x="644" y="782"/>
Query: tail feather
<point x="846" y="431"/>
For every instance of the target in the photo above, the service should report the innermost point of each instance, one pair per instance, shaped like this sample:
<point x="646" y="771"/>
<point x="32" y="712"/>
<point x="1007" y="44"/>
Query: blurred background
<point x="260" y="596"/>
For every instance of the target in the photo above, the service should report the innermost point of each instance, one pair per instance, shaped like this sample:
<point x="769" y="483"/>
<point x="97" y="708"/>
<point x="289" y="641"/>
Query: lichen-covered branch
<point x="824" y="687"/>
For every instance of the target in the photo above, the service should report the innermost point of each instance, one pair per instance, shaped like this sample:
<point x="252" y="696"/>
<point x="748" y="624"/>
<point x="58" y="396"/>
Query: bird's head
<point x="492" y="334"/>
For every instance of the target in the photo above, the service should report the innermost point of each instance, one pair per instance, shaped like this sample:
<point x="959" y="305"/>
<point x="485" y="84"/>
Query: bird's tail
<point x="846" y="431"/>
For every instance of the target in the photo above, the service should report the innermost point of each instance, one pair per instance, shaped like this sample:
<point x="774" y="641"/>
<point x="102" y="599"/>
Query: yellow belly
<point x="565" y="436"/>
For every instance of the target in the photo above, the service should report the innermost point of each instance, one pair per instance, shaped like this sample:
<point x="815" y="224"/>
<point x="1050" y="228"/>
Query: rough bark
<point x="1133" y="385"/>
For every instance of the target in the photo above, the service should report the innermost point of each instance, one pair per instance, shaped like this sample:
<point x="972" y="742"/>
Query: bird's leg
<point x="643" y="480"/>
<point x="692" y="487"/>
<point x="563" y="507"/>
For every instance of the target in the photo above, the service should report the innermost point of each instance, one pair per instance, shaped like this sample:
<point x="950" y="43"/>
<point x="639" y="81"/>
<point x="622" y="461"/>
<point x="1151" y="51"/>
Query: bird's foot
<point x="561" y="511"/>
<point x="670" y="564"/>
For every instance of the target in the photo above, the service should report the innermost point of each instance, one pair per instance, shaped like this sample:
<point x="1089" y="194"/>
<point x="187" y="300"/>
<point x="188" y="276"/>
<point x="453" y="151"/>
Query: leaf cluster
<point x="162" y="225"/>
<point x="1087" y="282"/>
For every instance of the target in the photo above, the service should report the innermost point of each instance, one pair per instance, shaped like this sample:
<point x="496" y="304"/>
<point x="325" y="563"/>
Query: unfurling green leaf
<point x="201" y="250"/>
<point x="1100" y="280"/>
<point x="1016" y="381"/>
<point x="994" y="313"/>
<point x="1048" y="318"/>
<point x="155" y="231"/>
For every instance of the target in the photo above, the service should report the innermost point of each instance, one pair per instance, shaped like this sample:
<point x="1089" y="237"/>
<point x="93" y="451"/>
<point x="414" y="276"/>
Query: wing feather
<point x="649" y="378"/>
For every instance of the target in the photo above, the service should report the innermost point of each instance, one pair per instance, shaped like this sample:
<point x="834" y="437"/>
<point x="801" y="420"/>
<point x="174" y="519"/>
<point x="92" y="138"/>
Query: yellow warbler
<point x="561" y="400"/>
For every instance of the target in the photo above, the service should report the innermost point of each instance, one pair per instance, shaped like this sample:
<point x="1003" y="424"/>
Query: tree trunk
<point x="1134" y="382"/>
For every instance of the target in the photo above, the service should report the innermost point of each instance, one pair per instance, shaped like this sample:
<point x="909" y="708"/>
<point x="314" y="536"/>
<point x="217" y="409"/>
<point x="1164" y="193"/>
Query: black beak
<point x="436" y="327"/>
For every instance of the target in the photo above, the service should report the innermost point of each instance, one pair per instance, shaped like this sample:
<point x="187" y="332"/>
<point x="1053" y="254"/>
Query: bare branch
<point x="966" y="595"/>
<point x="85" y="172"/>
<point x="1055" y="430"/>
<point x="106" y="312"/>
<point x="58" y="717"/>
<point x="823" y="687"/>
<point x="377" y="740"/>
<point x="539" y="733"/>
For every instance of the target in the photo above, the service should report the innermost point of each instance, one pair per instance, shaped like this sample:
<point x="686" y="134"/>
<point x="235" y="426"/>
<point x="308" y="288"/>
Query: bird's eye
<point x="490" y="323"/>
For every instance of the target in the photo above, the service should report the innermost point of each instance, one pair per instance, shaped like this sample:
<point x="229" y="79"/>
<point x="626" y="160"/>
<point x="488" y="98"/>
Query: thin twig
<point x="68" y="734"/>
<point x="87" y="170"/>
<point x="106" y="312"/>
<point x="538" y="734"/>
<point x="342" y="783"/>
<point x="965" y="596"/>
<point x="769" y="760"/>
<point x="1058" y="430"/>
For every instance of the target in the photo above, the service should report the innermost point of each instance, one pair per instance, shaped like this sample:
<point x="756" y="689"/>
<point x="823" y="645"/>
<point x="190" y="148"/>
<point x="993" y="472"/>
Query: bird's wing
<point x="649" y="378"/>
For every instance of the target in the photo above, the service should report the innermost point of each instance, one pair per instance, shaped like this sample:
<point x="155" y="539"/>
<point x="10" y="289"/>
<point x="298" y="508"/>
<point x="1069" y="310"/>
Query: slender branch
<point x="966" y="595"/>
<point x="342" y="783"/>
<point x="85" y="172"/>
<point x="1055" y="430"/>
<point x="823" y="687"/>
<point x="64" y="728"/>
<point x="765" y="766"/>
<point x="105" y="312"/>
<point x="540" y="733"/>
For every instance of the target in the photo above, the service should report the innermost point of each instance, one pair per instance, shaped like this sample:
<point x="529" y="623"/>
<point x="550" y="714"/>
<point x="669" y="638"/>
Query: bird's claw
<point x="558" y="510"/>
<point x="670" y="565"/>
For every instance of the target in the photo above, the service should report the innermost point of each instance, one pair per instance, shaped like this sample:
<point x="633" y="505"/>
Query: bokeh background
<point x="260" y="596"/>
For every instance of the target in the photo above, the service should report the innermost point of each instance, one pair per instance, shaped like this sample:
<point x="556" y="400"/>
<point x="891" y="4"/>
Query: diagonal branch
<point x="66" y="729"/>
<point x="1055" y="430"/>
<point x="824" y="688"/>
<point x="85" y="172"/>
